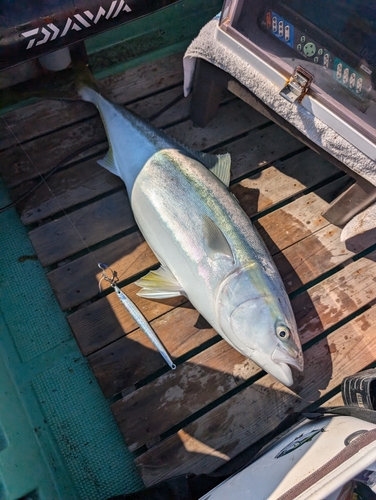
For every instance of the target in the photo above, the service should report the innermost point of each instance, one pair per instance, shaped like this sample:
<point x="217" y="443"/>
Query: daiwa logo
<point x="77" y="22"/>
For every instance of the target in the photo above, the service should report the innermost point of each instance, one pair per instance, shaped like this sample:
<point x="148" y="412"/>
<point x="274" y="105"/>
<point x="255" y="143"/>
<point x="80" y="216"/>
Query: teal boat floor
<point x="58" y="438"/>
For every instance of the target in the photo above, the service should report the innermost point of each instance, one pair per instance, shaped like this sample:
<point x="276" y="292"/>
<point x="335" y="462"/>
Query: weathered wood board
<point x="139" y="426"/>
<point x="216" y="403"/>
<point x="229" y="428"/>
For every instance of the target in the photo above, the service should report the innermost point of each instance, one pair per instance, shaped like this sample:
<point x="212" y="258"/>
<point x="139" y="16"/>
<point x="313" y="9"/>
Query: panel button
<point x="359" y="86"/>
<point x="352" y="80"/>
<point x="339" y="71"/>
<point x="309" y="49"/>
<point x="274" y="24"/>
<point x="280" y="28"/>
<point x="346" y="73"/>
<point x="287" y="33"/>
<point x="268" y="20"/>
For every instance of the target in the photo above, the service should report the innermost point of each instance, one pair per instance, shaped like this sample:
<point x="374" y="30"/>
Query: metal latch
<point x="298" y="85"/>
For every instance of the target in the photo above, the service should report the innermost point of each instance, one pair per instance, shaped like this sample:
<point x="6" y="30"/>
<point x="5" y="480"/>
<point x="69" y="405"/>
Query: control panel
<point x="312" y="50"/>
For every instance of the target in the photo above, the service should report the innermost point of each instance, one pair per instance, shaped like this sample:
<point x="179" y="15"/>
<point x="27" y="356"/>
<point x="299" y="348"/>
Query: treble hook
<point x="135" y="313"/>
<point x="112" y="280"/>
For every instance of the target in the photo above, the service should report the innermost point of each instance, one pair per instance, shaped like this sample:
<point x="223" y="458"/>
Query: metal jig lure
<point x="136" y="314"/>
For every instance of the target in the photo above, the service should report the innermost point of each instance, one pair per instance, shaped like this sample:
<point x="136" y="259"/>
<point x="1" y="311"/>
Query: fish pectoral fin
<point x="108" y="163"/>
<point x="215" y="241"/>
<point x="159" y="284"/>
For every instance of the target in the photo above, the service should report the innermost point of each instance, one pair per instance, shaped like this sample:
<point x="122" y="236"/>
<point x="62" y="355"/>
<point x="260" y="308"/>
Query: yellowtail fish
<point x="206" y="245"/>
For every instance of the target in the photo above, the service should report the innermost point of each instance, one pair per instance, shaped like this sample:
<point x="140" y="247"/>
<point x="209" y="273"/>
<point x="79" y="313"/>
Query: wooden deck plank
<point x="323" y="251"/>
<point x="249" y="415"/>
<point x="88" y="180"/>
<point x="178" y="394"/>
<point x="89" y="225"/>
<point x="47" y="115"/>
<point x="336" y="298"/>
<point x="312" y="267"/>
<point x="299" y="219"/>
<point x="232" y="120"/>
<point x="32" y="159"/>
<point x="286" y="179"/>
<point x="278" y="184"/>
<point x="112" y="214"/>
<point x="77" y="281"/>
<point x="126" y="261"/>
<point x="41" y="155"/>
<point x="131" y="359"/>
<point x="259" y="148"/>
<point x="198" y="382"/>
<point x="280" y="229"/>
<point x="65" y="189"/>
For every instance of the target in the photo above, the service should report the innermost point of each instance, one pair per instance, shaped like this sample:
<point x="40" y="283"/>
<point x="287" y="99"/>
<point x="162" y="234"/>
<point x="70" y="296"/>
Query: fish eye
<point x="283" y="332"/>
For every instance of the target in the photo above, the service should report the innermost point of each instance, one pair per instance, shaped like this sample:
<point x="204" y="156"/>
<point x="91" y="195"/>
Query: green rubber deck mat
<point x="58" y="439"/>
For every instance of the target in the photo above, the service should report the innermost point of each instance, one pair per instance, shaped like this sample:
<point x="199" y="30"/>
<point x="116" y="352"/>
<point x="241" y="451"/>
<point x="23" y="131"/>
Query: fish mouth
<point x="282" y="372"/>
<point x="280" y="355"/>
<point x="279" y="364"/>
<point x="283" y="360"/>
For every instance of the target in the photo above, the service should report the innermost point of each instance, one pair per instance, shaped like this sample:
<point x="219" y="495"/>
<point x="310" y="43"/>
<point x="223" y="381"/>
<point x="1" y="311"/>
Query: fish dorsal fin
<point x="215" y="241"/>
<point x="159" y="284"/>
<point x="219" y="165"/>
<point x="108" y="162"/>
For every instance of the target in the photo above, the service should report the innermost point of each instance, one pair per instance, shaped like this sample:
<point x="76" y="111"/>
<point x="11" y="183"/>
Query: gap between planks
<point x="87" y="322"/>
<point x="228" y="429"/>
<point x="110" y="363"/>
<point x="206" y="377"/>
<point x="132" y="85"/>
<point x="112" y="214"/>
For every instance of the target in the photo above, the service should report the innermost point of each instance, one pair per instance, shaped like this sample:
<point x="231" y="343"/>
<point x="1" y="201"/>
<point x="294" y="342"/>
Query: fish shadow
<point x="308" y="322"/>
<point x="217" y="407"/>
<point x="303" y="306"/>
<point x="216" y="440"/>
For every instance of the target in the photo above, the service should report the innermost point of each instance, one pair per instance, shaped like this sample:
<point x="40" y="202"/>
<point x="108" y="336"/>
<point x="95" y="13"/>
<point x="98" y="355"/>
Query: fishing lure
<point x="136" y="314"/>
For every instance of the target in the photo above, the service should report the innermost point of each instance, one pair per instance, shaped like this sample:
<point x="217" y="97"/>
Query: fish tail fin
<point x="85" y="84"/>
<point x="67" y="84"/>
<point x="88" y="94"/>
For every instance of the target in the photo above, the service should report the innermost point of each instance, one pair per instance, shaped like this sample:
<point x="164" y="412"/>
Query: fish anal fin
<point x="215" y="240"/>
<point x="159" y="284"/>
